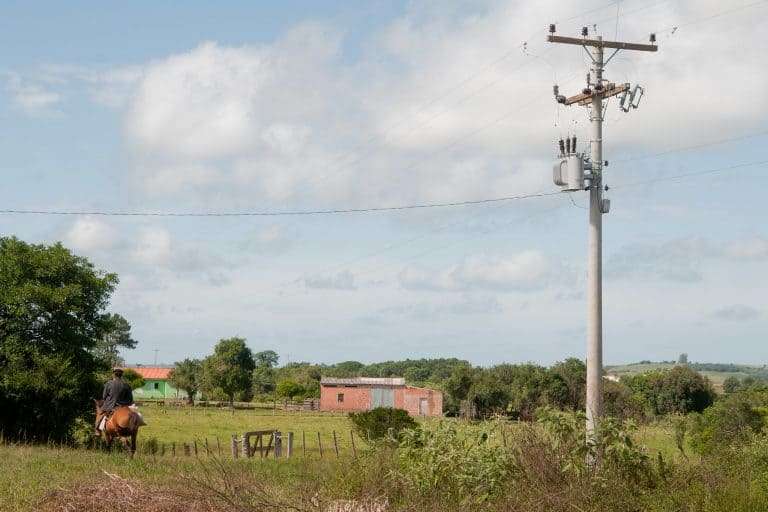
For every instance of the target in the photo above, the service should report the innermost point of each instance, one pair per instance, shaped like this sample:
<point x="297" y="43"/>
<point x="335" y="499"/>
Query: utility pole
<point x="569" y="174"/>
<point x="156" y="351"/>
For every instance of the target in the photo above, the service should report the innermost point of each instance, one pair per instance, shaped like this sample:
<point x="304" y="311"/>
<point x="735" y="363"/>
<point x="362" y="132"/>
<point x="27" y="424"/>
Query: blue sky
<point x="249" y="106"/>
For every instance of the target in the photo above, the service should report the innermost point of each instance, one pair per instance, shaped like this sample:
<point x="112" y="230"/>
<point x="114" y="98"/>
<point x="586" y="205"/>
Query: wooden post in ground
<point x="207" y="450"/>
<point x="173" y="448"/>
<point x="335" y="444"/>
<point x="503" y="436"/>
<point x="162" y="449"/>
<point x="234" y="447"/>
<point x="320" y="444"/>
<point x="186" y="449"/>
<point x="289" y="446"/>
<point x="352" y="440"/>
<point x="218" y="445"/>
<point x="303" y="444"/>
<point x="278" y="444"/>
<point x="246" y="447"/>
<point x="195" y="447"/>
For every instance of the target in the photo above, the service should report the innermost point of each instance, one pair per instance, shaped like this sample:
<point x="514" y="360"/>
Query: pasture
<point x="30" y="472"/>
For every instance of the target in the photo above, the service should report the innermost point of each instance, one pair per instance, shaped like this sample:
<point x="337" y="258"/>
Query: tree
<point x="116" y="335"/>
<point x="263" y="380"/>
<point x="187" y="376"/>
<point x="573" y="373"/>
<point x="266" y="358"/>
<point x="290" y="389"/>
<point x="677" y="390"/>
<point x="229" y="368"/>
<point x="51" y="310"/>
<point x="682" y="359"/>
<point x="133" y="378"/>
<point x="731" y="384"/>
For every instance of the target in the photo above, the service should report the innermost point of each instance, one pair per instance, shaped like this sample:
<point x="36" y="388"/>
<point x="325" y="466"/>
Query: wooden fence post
<point x="162" y="449"/>
<point x="503" y="436"/>
<point x="195" y="441"/>
<point x="278" y="444"/>
<point x="186" y="449"/>
<point x="218" y="445"/>
<point x="207" y="450"/>
<point x="352" y="440"/>
<point x="173" y="448"/>
<point x="289" y="446"/>
<point x="246" y="446"/>
<point x="320" y="444"/>
<point x="335" y="444"/>
<point x="304" y="444"/>
<point x="234" y="446"/>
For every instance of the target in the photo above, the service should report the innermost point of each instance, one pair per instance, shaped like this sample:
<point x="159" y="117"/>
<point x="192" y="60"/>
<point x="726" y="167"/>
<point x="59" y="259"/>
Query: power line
<point x="696" y="146"/>
<point x="334" y="211"/>
<point x="694" y="173"/>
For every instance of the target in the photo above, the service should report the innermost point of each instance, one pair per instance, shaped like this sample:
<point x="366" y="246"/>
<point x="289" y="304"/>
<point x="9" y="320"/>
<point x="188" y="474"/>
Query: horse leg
<point x="133" y="443"/>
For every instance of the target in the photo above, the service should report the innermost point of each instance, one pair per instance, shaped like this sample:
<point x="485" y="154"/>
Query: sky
<point x="303" y="105"/>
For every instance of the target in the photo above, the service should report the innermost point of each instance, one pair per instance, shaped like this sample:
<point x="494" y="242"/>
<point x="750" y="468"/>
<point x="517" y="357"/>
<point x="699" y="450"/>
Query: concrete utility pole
<point x="569" y="174"/>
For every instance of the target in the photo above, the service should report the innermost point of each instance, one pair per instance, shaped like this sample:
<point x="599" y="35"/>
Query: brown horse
<point x="122" y="424"/>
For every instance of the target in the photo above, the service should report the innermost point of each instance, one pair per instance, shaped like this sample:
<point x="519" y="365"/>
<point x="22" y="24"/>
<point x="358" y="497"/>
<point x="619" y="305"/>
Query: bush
<point x="378" y="423"/>
<point x="456" y="462"/>
<point x="728" y="423"/>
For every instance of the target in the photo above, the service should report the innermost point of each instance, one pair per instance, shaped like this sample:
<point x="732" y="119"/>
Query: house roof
<point x="364" y="381"/>
<point x="152" y="372"/>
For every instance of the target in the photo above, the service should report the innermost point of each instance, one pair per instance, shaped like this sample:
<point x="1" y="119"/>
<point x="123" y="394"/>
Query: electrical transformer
<point x="568" y="172"/>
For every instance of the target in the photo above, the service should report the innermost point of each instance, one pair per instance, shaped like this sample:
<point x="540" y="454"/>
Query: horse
<point x="123" y="424"/>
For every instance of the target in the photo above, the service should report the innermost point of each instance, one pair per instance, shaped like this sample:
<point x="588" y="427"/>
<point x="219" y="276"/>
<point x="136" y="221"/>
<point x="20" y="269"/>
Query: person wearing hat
<point x="117" y="393"/>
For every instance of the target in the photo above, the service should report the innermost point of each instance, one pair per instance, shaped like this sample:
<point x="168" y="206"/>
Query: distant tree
<point x="263" y="380"/>
<point x="187" y="375"/>
<point x="133" y="378"/>
<point x="731" y="384"/>
<point x="348" y="369"/>
<point x="573" y="372"/>
<point x="676" y="390"/>
<point x="266" y="358"/>
<point x="456" y="388"/>
<point x="116" y="335"/>
<point x="682" y="358"/>
<point x="51" y="309"/>
<point x="382" y="421"/>
<point x="229" y="368"/>
<point x="290" y="389"/>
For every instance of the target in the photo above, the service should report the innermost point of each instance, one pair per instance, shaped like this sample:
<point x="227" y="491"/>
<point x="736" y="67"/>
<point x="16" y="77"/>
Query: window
<point x="157" y="385"/>
<point x="340" y="398"/>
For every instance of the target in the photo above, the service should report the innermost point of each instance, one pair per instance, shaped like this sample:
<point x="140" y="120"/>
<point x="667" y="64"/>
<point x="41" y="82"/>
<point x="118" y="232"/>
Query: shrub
<point x="455" y="461"/>
<point x="728" y="423"/>
<point x="378" y="423"/>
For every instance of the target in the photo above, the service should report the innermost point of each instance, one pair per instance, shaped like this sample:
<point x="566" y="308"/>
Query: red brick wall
<point x="355" y="398"/>
<point x="359" y="399"/>
<point x="412" y="396"/>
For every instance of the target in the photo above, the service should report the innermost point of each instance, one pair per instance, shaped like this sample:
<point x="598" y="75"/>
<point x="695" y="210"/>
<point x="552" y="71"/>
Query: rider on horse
<point x="117" y="393"/>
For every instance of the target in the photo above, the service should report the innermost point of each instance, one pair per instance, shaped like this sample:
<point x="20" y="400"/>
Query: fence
<point x="262" y="444"/>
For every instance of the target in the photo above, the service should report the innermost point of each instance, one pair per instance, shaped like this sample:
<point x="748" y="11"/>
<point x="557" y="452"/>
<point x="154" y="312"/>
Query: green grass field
<point x="31" y="471"/>
<point x="717" y="378"/>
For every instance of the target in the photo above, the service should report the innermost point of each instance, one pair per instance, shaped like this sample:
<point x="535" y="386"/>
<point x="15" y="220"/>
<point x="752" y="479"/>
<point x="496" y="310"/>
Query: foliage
<point x="458" y="462"/>
<point x="677" y="390"/>
<point x="730" y="422"/>
<point x="456" y="389"/>
<point x="573" y="373"/>
<point x="51" y="318"/>
<point x="290" y="389"/>
<point x="187" y="375"/>
<point x="682" y="359"/>
<point x="116" y="335"/>
<point x="620" y="401"/>
<point x="229" y="368"/>
<point x="266" y="358"/>
<point x="381" y="422"/>
<point x="133" y="378"/>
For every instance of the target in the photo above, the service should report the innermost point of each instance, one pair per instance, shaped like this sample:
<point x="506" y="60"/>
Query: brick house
<point x="365" y="393"/>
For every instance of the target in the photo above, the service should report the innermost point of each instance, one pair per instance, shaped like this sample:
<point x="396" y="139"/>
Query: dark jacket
<point x="117" y="393"/>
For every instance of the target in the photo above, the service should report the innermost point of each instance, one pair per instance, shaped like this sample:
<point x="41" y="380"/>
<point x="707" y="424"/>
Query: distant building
<point x="156" y="384"/>
<point x="365" y="393"/>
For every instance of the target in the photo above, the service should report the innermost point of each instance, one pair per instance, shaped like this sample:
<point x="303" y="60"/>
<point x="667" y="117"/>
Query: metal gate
<point x="382" y="397"/>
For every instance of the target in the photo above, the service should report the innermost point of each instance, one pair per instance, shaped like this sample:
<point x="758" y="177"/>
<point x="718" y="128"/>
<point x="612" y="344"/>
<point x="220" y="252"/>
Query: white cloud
<point x="91" y="234"/>
<point x="525" y="271"/>
<point x="736" y="313"/>
<point x="153" y="246"/>
<point x="33" y="98"/>
<point x="343" y="280"/>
